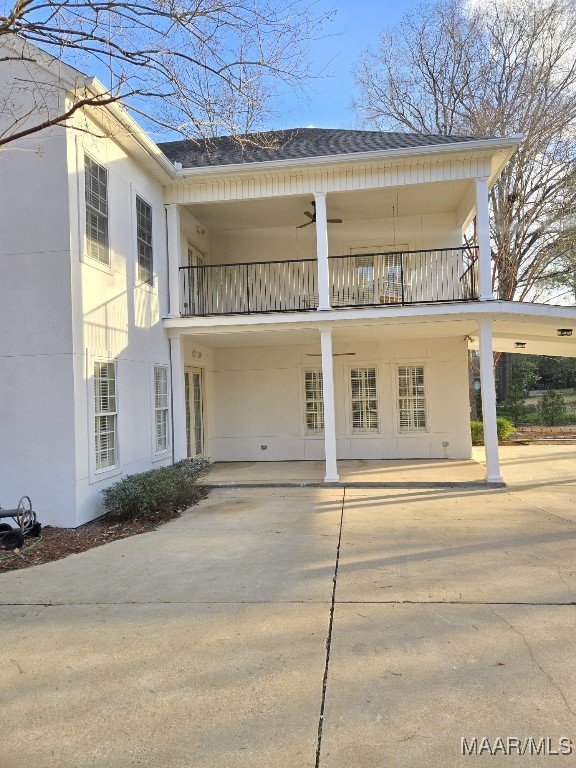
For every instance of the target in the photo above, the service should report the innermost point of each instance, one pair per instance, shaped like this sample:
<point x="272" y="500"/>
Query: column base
<point x="334" y="479"/>
<point x="323" y="309"/>
<point x="494" y="479"/>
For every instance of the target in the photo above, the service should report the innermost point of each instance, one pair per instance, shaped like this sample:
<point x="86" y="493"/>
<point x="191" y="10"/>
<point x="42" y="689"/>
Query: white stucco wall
<point x="36" y="372"/>
<point x="279" y="243"/>
<point x="257" y="399"/>
<point x="115" y="317"/>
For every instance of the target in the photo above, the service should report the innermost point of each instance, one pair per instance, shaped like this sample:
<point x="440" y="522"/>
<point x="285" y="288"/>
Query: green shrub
<point x="477" y="429"/>
<point x="503" y="427"/>
<point x="157" y="490"/>
<point x="552" y="408"/>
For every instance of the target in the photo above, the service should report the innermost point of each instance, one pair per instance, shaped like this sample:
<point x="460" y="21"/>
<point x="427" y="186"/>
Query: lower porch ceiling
<point x="539" y="334"/>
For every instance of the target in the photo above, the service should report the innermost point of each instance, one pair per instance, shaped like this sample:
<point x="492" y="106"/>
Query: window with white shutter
<point x="161" y="407"/>
<point x="412" y="398"/>
<point x="96" y="197"/>
<point x="144" y="240"/>
<point x="105" y="414"/>
<point x="364" y="400"/>
<point x="314" y="397"/>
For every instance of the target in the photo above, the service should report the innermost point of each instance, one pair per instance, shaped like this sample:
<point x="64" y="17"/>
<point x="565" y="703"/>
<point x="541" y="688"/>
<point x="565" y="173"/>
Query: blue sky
<point x="356" y="25"/>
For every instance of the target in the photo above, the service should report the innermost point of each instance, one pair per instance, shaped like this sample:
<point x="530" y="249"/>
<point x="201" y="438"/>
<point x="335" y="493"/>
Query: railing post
<point x="483" y="236"/>
<point x="322" y="251"/>
<point x="247" y="290"/>
<point x="174" y="258"/>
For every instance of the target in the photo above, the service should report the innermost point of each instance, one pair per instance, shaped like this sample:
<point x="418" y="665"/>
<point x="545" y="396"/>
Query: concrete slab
<point x="169" y="686"/>
<point x="454" y="546"/>
<point x="543" y="476"/>
<point x="428" y="471"/>
<point x="407" y="683"/>
<point x="260" y="547"/>
<point x="204" y="643"/>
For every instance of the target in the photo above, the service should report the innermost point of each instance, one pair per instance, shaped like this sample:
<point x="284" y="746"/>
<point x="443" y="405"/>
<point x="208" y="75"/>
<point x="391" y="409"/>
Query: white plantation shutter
<point x="412" y="398"/>
<point x="161" y="407"/>
<point x="96" y="198"/>
<point x="105" y="414"/>
<point x="314" y="396"/>
<point x="364" y="400"/>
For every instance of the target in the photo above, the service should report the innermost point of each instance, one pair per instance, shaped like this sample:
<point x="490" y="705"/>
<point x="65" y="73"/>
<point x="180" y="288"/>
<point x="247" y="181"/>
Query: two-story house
<point x="310" y="300"/>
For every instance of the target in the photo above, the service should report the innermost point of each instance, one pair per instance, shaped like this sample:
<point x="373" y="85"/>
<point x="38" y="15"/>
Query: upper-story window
<point x="96" y="195"/>
<point x="144" y="240"/>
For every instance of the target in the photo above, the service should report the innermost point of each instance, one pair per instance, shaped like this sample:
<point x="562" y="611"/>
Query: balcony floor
<point x="406" y="473"/>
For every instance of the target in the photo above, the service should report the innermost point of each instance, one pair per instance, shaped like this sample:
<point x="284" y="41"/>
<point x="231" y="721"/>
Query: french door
<point x="198" y="278"/>
<point x="194" y="394"/>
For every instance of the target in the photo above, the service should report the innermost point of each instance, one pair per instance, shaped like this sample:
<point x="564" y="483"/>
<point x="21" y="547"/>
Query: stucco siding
<point x="257" y="400"/>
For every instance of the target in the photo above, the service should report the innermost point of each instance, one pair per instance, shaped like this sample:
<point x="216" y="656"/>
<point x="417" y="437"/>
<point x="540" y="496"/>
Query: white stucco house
<point x="163" y="301"/>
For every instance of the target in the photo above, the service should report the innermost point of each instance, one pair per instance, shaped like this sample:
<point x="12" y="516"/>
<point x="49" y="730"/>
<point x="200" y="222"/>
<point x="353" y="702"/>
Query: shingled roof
<point x="295" y="144"/>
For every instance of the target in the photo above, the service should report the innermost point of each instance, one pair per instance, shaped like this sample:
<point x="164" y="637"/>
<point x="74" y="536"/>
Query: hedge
<point x="503" y="427"/>
<point x="157" y="490"/>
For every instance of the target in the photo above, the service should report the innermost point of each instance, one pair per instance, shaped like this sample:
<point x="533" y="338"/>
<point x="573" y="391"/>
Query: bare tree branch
<point x="492" y="69"/>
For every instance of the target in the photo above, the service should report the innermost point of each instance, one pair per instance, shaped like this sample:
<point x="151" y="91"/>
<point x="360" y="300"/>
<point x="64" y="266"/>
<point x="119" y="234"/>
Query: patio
<point x="404" y="473"/>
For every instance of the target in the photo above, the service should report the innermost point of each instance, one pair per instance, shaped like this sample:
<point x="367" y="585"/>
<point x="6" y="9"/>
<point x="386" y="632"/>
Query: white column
<point x="483" y="237"/>
<point x="178" y="399"/>
<point x="329" y="407"/>
<point x="489" y="402"/>
<point x="322" y="251"/>
<point x="174" y="257"/>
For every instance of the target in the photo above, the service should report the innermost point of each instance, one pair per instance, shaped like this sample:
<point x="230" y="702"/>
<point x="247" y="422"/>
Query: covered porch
<point x="379" y="396"/>
<point x="353" y="473"/>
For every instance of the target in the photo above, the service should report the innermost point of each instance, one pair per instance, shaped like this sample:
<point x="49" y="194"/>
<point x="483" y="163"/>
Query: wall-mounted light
<point x="564" y="331"/>
<point x="519" y="344"/>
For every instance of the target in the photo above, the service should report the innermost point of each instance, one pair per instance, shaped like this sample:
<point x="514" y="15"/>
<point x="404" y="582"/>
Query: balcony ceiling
<point x="416" y="199"/>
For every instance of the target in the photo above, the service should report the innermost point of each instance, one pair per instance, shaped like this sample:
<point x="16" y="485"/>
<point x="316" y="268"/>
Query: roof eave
<point x="510" y="143"/>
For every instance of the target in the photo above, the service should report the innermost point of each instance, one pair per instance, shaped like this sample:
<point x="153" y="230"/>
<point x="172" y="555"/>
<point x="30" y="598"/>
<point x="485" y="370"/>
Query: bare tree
<point x="492" y="69"/>
<point x="198" y="67"/>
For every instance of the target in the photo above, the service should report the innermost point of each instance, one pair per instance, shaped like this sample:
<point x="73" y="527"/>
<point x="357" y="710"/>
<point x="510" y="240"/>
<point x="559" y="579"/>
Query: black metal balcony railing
<point x="407" y="277"/>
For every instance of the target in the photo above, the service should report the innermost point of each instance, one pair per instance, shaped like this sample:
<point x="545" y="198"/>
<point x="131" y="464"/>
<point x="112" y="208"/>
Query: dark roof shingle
<point x="295" y="144"/>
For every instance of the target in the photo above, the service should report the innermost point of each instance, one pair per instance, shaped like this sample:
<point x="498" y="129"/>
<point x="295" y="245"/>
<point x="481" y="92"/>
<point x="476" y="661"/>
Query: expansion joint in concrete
<point x="329" y="637"/>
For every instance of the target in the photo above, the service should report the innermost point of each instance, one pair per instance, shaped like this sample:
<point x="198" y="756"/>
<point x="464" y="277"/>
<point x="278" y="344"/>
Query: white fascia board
<point x="413" y="313"/>
<point x="134" y="131"/>
<point x="354" y="157"/>
<point x="68" y="76"/>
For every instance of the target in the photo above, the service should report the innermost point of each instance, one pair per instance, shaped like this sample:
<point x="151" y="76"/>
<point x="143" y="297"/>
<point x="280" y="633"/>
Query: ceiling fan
<point x="312" y="217"/>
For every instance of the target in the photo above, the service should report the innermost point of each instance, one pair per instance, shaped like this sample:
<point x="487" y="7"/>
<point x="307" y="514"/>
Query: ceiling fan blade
<point x="310" y="215"/>
<point x="334" y="221"/>
<point x="305" y="225"/>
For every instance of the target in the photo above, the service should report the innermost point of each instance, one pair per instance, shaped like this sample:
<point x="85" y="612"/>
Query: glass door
<point x="193" y="390"/>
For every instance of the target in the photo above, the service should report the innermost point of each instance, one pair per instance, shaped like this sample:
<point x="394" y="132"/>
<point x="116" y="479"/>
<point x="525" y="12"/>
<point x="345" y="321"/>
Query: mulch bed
<point x="56" y="543"/>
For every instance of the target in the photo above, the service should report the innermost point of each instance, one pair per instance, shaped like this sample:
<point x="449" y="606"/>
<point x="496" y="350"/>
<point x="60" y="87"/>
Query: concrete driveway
<point x="302" y="627"/>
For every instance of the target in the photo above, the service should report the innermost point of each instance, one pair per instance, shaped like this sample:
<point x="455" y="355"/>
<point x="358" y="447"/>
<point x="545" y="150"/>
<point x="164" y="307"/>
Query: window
<point x="314" y="397"/>
<point x="161" y="407"/>
<point x="364" y="400"/>
<point x="144" y="240"/>
<point x="96" y="195"/>
<point x="412" y="398"/>
<point x="105" y="414"/>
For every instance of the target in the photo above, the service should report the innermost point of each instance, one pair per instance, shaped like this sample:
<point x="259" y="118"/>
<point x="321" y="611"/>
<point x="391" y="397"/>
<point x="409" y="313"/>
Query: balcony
<point x="367" y="280"/>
